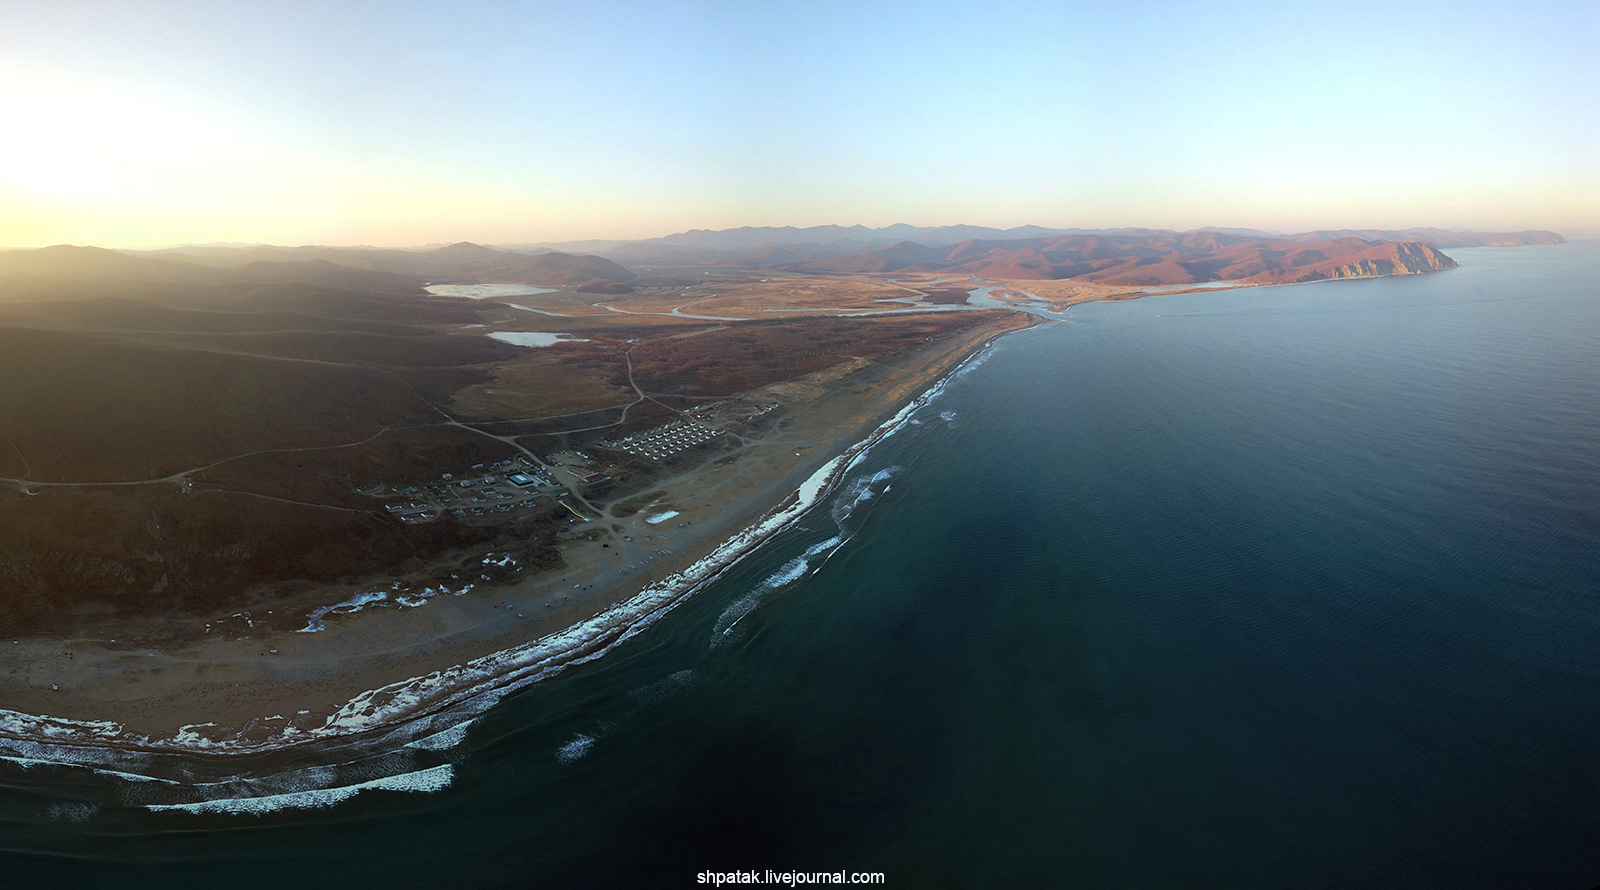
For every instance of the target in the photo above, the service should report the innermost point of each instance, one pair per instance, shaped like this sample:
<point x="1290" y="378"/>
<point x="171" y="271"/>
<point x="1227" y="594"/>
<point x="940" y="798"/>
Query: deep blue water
<point x="1291" y="586"/>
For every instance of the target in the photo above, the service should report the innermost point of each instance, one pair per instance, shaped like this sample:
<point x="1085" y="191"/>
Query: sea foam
<point x="575" y="749"/>
<point x="432" y="779"/>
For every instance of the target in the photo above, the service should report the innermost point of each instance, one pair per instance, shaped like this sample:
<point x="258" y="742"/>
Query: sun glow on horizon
<point x="185" y="123"/>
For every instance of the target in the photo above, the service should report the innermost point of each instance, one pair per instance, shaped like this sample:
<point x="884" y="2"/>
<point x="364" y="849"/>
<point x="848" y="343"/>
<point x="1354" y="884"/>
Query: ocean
<point x="1292" y="586"/>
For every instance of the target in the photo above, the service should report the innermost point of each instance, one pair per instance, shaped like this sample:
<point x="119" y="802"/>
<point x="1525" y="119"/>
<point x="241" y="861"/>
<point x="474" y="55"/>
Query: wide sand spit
<point x="432" y="711"/>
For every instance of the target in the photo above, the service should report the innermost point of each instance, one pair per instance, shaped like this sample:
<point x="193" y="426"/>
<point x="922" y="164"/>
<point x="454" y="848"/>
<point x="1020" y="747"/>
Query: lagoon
<point x="486" y="291"/>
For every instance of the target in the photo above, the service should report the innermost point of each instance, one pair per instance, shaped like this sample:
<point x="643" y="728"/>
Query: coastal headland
<point x="277" y="497"/>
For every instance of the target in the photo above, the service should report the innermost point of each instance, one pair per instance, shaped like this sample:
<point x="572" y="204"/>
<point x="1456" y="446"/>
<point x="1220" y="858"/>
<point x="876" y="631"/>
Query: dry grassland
<point x="197" y="451"/>
<point x="550" y="381"/>
<point x="743" y="357"/>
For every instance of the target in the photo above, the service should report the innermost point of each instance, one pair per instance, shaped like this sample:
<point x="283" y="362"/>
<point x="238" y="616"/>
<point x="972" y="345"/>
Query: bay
<point x="1271" y="587"/>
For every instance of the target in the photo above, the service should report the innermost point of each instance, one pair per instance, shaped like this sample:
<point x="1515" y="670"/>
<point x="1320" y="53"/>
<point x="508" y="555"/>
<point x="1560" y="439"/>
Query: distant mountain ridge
<point x="1442" y="237"/>
<point x="462" y="261"/>
<point x="1133" y="256"/>
<point x="367" y="270"/>
<point x="1160" y="259"/>
<point x="771" y="245"/>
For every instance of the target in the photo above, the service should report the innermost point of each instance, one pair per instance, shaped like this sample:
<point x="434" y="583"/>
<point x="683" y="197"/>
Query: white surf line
<point x="433" y="779"/>
<point x="29" y="763"/>
<point x="405" y="708"/>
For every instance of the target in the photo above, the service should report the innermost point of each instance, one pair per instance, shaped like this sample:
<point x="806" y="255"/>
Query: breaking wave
<point x="427" y="780"/>
<point x="576" y="748"/>
<point x="851" y="495"/>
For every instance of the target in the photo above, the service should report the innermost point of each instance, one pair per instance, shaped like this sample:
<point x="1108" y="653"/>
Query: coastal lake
<point x="1269" y="587"/>
<point x="486" y="291"/>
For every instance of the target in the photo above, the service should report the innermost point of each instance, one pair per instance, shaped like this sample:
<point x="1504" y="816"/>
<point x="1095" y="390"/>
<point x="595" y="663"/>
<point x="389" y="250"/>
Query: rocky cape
<point x="1409" y="258"/>
<point x="1161" y="260"/>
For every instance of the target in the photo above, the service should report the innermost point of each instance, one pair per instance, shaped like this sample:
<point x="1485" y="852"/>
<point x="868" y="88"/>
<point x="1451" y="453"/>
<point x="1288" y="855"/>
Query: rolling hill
<point x="459" y="262"/>
<point x="768" y="245"/>
<point x="1162" y="259"/>
<point x="32" y="273"/>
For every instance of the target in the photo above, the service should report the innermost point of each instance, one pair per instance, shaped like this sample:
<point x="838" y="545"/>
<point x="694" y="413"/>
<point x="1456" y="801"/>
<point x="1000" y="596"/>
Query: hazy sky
<point x="147" y="123"/>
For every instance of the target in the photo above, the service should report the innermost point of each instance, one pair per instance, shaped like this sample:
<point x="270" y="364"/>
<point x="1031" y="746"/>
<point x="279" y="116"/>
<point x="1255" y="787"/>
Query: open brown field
<point x="559" y="380"/>
<point x="727" y="293"/>
<point x="752" y="296"/>
<point x="749" y="356"/>
<point x="769" y="293"/>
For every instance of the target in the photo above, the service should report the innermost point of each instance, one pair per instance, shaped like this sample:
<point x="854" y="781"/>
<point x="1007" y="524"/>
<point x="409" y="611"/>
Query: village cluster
<point x="484" y="489"/>
<point x="487" y="489"/>
<point x="704" y="423"/>
<point x="665" y="440"/>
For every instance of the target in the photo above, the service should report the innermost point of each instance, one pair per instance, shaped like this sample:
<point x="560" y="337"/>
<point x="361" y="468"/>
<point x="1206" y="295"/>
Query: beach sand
<point x="382" y="665"/>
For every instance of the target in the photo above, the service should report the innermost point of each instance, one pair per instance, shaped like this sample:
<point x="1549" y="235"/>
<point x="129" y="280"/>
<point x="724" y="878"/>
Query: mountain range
<point x="358" y="269"/>
<point x="1145" y="260"/>
<point x="768" y="245"/>
<point x="1136" y="257"/>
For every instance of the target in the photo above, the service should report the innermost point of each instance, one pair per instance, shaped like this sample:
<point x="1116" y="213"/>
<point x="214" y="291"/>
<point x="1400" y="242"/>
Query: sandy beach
<point x="378" y="669"/>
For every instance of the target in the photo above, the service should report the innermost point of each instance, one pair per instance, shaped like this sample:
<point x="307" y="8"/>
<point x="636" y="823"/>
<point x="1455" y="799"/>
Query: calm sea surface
<point x="1284" y="587"/>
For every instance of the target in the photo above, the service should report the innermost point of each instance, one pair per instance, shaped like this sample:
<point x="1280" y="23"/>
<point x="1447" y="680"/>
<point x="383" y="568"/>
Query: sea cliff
<point x="1408" y="258"/>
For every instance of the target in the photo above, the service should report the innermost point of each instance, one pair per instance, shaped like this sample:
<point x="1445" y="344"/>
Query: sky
<point x="140" y="124"/>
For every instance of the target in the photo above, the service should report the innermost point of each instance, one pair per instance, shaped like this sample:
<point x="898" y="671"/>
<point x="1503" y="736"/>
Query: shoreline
<point x="441" y="702"/>
<point x="225" y="769"/>
<point x="432" y="710"/>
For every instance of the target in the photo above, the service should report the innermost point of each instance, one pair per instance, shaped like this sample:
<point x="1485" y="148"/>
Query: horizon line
<point x="243" y="245"/>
